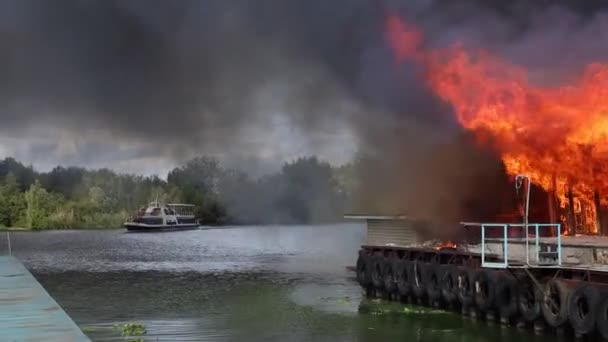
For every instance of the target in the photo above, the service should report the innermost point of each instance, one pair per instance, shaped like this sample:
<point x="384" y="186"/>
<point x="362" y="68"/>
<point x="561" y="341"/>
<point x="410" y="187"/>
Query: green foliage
<point x="12" y="201"/>
<point x="306" y="190"/>
<point x="24" y="175"/>
<point x="131" y="329"/>
<point x="40" y="204"/>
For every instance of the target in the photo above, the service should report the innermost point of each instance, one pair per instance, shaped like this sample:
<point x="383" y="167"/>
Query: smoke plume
<point x="131" y="83"/>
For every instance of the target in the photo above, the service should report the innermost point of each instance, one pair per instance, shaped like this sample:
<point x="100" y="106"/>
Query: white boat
<point x="159" y="217"/>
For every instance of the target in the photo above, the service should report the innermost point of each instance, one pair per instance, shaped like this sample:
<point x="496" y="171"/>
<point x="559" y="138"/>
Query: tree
<point x="198" y="181"/>
<point x="309" y="193"/>
<point x="39" y="206"/>
<point x="63" y="180"/>
<point x="202" y="174"/>
<point x="12" y="202"/>
<point x="24" y="176"/>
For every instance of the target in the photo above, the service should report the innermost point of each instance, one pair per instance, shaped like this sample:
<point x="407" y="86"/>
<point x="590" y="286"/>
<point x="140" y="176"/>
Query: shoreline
<point x="201" y="227"/>
<point x="14" y="229"/>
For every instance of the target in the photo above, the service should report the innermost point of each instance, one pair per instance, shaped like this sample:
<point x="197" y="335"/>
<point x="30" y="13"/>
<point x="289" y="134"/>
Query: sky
<point x="143" y="85"/>
<point x="140" y="86"/>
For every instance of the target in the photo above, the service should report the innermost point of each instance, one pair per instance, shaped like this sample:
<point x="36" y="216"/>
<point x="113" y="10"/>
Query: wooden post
<point x="572" y="218"/>
<point x="598" y="212"/>
<point x="584" y="223"/>
<point x="552" y="204"/>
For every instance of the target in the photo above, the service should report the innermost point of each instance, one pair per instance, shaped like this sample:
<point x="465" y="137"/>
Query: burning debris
<point x="558" y="135"/>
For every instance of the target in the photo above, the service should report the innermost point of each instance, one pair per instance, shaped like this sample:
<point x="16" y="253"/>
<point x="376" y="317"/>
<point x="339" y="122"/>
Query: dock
<point x="27" y="311"/>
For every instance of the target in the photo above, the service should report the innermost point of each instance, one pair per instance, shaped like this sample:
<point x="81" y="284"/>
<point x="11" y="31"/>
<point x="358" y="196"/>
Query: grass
<point x="87" y="330"/>
<point x="131" y="329"/>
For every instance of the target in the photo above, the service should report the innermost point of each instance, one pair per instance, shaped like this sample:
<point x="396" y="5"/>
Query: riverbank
<point x="21" y="229"/>
<point x="14" y="229"/>
<point x="201" y="227"/>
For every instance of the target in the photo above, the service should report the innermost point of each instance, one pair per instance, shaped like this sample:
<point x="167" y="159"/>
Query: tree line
<point x="306" y="190"/>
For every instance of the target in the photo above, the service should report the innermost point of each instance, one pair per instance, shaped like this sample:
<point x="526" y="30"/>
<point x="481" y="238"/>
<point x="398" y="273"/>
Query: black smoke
<point x="423" y="164"/>
<point x="184" y="76"/>
<point x="172" y="79"/>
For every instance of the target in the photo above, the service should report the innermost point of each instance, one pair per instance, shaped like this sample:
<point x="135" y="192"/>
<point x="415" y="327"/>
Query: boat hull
<point x="142" y="227"/>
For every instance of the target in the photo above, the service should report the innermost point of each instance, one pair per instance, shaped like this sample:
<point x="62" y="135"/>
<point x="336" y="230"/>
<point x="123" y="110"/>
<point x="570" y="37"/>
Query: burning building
<point x="556" y="134"/>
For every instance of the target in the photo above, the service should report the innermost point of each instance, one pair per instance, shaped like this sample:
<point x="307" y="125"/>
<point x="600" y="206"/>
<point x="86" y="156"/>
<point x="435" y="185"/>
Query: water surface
<point x="259" y="283"/>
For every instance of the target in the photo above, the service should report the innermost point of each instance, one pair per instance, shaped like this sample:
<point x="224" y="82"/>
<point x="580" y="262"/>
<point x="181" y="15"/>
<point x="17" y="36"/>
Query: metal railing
<point x="529" y="262"/>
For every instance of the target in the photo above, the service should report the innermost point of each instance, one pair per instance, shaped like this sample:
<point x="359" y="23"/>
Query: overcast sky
<point x="139" y="86"/>
<point x="142" y="85"/>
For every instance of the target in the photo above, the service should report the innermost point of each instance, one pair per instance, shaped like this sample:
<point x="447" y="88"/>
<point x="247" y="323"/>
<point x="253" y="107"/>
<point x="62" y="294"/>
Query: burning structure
<point x="553" y="138"/>
<point x="558" y="135"/>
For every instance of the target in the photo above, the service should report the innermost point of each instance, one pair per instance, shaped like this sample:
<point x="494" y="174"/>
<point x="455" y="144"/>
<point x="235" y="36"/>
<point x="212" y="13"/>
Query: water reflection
<point x="240" y="284"/>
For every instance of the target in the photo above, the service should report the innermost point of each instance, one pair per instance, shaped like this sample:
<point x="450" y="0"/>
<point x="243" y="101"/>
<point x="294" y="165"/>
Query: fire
<point x="558" y="135"/>
<point x="446" y="245"/>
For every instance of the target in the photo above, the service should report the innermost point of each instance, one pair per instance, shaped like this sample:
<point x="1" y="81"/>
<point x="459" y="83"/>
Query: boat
<point x="163" y="217"/>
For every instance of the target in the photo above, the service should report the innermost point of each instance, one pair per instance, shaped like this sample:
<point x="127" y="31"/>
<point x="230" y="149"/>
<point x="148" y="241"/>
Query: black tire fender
<point x="363" y="272"/>
<point x="448" y="282"/>
<point x="388" y="275"/>
<point x="484" y="285"/>
<point x="529" y="299"/>
<point x="416" y="275"/>
<point x="377" y="263"/>
<point x="555" y="303"/>
<point x="601" y="315"/>
<point x="431" y="281"/>
<point x="403" y="280"/>
<point x="507" y="294"/>
<point x="582" y="307"/>
<point x="465" y="286"/>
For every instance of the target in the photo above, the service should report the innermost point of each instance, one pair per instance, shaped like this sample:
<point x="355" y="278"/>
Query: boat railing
<point x="182" y="209"/>
<point x="551" y="257"/>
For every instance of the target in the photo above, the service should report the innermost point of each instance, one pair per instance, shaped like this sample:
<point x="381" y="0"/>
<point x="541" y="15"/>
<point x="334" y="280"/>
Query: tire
<point x="484" y="285"/>
<point x="388" y="275"/>
<point x="363" y="274"/>
<point x="416" y="275"/>
<point x="529" y="300"/>
<point x="431" y="281"/>
<point x="448" y="283"/>
<point x="465" y="286"/>
<point x="403" y="280"/>
<point x="507" y="295"/>
<point x="601" y="316"/>
<point x="582" y="308"/>
<point x="376" y="272"/>
<point x="555" y="303"/>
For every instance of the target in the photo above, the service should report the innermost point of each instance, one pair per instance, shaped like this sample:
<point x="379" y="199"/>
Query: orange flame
<point x="556" y="135"/>
<point x="446" y="245"/>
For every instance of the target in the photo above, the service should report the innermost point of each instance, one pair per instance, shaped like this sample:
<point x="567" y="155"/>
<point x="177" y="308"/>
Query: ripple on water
<point x="266" y="283"/>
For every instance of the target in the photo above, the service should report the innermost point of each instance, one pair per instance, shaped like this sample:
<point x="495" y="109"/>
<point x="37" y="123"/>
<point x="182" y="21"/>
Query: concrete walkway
<point x="27" y="311"/>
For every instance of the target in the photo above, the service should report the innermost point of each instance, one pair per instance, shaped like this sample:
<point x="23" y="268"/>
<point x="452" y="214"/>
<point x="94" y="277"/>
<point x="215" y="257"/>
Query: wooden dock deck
<point x="27" y="311"/>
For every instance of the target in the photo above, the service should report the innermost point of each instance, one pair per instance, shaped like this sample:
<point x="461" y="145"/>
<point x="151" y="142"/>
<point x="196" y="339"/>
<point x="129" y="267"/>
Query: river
<point x="258" y="283"/>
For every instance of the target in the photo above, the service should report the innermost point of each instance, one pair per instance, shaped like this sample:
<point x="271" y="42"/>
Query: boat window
<point x="156" y="212"/>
